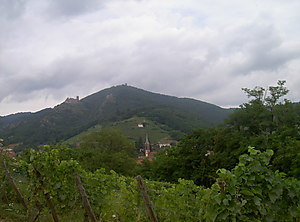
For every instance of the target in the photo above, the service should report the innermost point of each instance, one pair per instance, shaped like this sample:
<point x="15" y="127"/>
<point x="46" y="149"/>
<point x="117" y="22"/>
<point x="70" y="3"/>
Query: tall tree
<point x="266" y="110"/>
<point x="107" y="149"/>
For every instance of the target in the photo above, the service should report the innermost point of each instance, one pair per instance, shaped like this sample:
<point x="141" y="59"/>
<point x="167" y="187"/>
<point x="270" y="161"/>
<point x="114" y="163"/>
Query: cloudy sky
<point x="203" y="49"/>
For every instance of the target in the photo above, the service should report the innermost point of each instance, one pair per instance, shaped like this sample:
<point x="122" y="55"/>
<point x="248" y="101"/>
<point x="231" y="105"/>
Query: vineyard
<point x="46" y="185"/>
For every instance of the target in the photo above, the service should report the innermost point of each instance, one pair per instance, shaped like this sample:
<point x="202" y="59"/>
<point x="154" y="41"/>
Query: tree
<point x="187" y="160"/>
<point x="270" y="99"/>
<point x="139" y="145"/>
<point x="268" y="120"/>
<point x="107" y="149"/>
<point x="276" y="92"/>
<point x="266" y="111"/>
<point x="258" y="94"/>
<point x="265" y="121"/>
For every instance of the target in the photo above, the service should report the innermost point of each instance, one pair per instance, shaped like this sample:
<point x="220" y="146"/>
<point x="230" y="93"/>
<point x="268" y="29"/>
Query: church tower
<point x="147" y="146"/>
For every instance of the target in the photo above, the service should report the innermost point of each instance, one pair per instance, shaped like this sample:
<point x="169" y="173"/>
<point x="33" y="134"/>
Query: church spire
<point x="147" y="146"/>
<point x="147" y="139"/>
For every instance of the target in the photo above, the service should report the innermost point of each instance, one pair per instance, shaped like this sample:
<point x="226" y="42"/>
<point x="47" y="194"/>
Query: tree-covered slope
<point x="105" y="107"/>
<point x="266" y="121"/>
<point x="184" y="114"/>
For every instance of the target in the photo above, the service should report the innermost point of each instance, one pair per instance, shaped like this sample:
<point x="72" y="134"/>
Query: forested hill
<point x="104" y="107"/>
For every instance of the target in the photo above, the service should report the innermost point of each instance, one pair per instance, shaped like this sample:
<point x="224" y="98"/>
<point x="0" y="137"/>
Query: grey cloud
<point x="74" y="7"/>
<point x="179" y="58"/>
<point x="261" y="48"/>
<point x="81" y="71"/>
<point x="270" y="60"/>
<point x="96" y="44"/>
<point x="12" y="9"/>
<point x="19" y="86"/>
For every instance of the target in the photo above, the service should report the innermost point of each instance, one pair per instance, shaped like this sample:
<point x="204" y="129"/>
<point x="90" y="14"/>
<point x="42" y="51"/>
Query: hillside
<point x="104" y="108"/>
<point x="130" y="128"/>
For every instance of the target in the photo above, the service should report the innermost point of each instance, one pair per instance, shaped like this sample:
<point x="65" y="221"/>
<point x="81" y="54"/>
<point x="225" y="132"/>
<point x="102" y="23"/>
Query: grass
<point x="76" y="139"/>
<point x="12" y="213"/>
<point x="130" y="129"/>
<point x="15" y="213"/>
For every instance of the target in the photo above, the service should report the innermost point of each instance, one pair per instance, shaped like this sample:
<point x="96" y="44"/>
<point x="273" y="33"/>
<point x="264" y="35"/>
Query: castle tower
<point x="147" y="146"/>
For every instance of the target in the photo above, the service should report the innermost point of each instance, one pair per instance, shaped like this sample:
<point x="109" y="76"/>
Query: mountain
<point x="105" y="107"/>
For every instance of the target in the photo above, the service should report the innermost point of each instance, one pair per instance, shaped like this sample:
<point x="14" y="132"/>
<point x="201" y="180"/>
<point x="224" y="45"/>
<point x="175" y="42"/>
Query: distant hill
<point x="115" y="104"/>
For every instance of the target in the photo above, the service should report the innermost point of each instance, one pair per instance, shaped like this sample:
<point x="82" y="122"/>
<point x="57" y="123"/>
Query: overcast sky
<point x="203" y="49"/>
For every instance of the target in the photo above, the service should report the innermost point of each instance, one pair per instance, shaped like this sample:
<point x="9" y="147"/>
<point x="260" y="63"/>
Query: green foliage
<point x="276" y="92"/>
<point x="114" y="197"/>
<point x="287" y="152"/>
<point x="269" y="121"/>
<point x="265" y="113"/>
<point x="187" y="160"/>
<point x="49" y="174"/>
<point x="249" y="192"/>
<point x="265" y="121"/>
<point x="272" y="98"/>
<point x="7" y="194"/>
<point x="253" y="192"/>
<point x="107" y="149"/>
<point x="12" y="212"/>
<point x="129" y="127"/>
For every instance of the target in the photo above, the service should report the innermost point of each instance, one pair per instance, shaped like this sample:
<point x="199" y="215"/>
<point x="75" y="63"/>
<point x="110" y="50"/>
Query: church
<point x="149" y="154"/>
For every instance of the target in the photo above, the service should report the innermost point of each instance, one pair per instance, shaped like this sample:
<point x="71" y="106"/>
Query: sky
<point x="202" y="49"/>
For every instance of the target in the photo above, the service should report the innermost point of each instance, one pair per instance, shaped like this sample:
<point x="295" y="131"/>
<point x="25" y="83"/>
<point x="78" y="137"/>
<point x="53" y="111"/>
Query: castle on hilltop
<point x="72" y="100"/>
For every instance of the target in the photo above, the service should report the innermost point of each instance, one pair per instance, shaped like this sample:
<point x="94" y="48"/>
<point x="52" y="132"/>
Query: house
<point x="150" y="157"/>
<point x="209" y="152"/>
<point x="163" y="145"/>
<point x="166" y="143"/>
<point x="7" y="152"/>
<point x="141" y="125"/>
